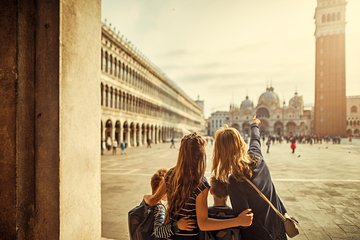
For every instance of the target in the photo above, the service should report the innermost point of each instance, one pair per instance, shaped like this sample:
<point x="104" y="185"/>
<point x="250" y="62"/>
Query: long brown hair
<point x="230" y="155"/>
<point x="187" y="174"/>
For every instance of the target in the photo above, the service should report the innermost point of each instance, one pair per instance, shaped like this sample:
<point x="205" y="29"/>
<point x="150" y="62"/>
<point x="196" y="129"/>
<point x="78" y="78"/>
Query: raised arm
<point x="210" y="224"/>
<point x="255" y="142"/>
<point x="156" y="197"/>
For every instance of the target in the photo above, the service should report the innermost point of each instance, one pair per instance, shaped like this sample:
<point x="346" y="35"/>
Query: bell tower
<point x="330" y="84"/>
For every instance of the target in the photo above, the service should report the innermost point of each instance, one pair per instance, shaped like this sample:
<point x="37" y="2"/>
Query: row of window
<point x="331" y="17"/>
<point x="353" y="122"/>
<point x="114" y="67"/>
<point x="117" y="99"/>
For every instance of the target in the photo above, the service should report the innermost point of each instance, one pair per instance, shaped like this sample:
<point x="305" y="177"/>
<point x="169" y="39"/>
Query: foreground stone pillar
<point x="50" y="111"/>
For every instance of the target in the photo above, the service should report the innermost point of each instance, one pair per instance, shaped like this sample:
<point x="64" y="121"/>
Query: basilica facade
<point x="277" y="118"/>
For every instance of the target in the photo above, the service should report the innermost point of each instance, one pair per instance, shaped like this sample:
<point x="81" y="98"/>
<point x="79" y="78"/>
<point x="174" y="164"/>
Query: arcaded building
<point x="330" y="98"/>
<point x="353" y="116"/>
<point x="138" y="101"/>
<point x="277" y="118"/>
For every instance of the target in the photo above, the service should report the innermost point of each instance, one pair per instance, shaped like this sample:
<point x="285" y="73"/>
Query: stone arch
<point x="137" y="135"/>
<point x="118" y="131"/>
<point x="279" y="128"/>
<point x="262" y="112"/>
<point x="126" y="133"/>
<point x="108" y="133"/>
<point x="351" y="122"/>
<point x="147" y="131"/>
<point x="349" y="132"/>
<point x="353" y="109"/>
<point x="143" y="134"/>
<point x="290" y="128"/>
<point x="156" y="134"/>
<point x="132" y="134"/>
<point x="160" y="134"/>
<point x="357" y="132"/>
<point x="152" y="133"/>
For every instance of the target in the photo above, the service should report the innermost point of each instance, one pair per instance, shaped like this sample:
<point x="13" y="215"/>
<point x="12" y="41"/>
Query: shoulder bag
<point x="290" y="223"/>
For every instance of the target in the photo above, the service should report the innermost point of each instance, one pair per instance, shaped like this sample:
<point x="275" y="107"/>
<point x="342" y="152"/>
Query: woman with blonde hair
<point x="187" y="190"/>
<point x="232" y="162"/>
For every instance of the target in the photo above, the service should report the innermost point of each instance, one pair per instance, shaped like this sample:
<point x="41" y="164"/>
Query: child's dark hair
<point x="219" y="188"/>
<point x="156" y="179"/>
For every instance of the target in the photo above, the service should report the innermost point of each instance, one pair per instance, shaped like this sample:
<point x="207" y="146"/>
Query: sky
<point x="224" y="50"/>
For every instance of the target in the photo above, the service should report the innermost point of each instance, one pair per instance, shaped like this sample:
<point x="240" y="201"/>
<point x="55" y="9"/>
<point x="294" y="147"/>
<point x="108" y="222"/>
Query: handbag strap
<point x="266" y="200"/>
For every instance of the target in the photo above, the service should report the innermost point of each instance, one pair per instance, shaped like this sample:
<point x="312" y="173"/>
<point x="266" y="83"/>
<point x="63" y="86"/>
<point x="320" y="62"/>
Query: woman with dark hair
<point x="187" y="190"/>
<point x="233" y="163"/>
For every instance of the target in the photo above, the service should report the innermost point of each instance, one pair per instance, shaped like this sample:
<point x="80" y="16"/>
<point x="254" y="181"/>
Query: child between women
<point x="187" y="190"/>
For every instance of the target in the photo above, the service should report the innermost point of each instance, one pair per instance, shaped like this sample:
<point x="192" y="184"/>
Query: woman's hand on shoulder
<point x="186" y="224"/>
<point x="245" y="218"/>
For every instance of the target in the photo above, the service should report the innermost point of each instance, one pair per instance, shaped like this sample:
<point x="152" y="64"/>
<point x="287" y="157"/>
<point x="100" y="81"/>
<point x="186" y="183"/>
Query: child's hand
<point x="245" y="218"/>
<point x="186" y="224"/>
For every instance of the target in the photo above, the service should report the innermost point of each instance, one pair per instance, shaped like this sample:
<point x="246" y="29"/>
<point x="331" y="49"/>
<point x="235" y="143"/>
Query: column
<point x="46" y="182"/>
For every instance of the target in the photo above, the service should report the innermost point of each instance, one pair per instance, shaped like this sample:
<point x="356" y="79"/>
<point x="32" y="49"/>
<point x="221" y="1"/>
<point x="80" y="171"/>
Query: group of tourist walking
<point x="237" y="173"/>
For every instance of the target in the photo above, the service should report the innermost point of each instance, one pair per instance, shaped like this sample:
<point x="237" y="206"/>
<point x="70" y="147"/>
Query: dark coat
<point x="266" y="224"/>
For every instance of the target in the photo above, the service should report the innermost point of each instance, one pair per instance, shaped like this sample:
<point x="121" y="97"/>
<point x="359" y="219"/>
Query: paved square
<point x="319" y="184"/>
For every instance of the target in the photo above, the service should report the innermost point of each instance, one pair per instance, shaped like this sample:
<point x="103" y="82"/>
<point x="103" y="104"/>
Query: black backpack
<point x="141" y="222"/>
<point x="225" y="234"/>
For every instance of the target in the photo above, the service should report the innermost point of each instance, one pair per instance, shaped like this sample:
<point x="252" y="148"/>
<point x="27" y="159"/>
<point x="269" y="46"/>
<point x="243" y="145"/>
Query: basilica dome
<point x="269" y="98"/>
<point x="296" y="101"/>
<point x="247" y="103"/>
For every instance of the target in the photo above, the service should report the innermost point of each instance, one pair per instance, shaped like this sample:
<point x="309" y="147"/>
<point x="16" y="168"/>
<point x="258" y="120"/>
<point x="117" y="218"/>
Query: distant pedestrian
<point x="123" y="147"/>
<point x="115" y="145"/>
<point x="268" y="143"/>
<point x="293" y="144"/>
<point x="172" y="143"/>
<point x="148" y="141"/>
<point x="108" y="143"/>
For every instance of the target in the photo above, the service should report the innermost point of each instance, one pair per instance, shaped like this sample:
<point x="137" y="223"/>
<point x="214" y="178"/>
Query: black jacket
<point x="266" y="224"/>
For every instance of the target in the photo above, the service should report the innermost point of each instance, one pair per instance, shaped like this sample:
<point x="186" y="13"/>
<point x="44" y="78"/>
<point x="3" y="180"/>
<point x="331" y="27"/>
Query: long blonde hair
<point x="230" y="155"/>
<point x="187" y="174"/>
